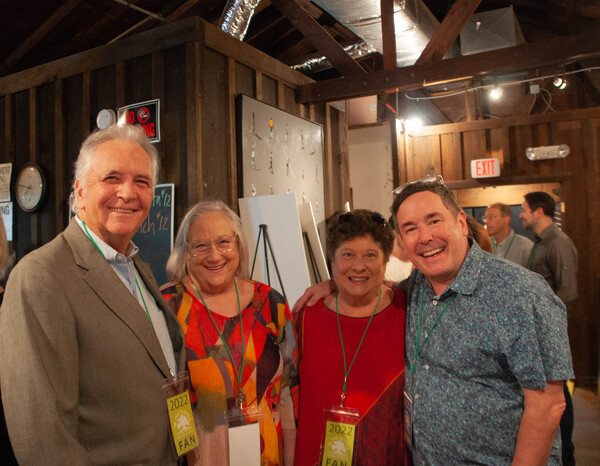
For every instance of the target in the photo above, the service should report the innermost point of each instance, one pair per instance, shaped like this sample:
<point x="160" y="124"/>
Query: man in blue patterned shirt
<point x="486" y="345"/>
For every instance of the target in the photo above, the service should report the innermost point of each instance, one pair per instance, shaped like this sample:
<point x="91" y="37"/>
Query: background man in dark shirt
<point x="554" y="257"/>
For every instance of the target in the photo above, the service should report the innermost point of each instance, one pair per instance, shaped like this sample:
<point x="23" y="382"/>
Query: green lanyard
<point x="427" y="334"/>
<point x="347" y="371"/>
<point x="511" y="242"/>
<point x="135" y="278"/>
<point x="241" y="397"/>
<point x="530" y="260"/>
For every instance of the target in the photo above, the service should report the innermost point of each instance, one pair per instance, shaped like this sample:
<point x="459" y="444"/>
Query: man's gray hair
<point x="86" y="156"/>
<point x="176" y="265"/>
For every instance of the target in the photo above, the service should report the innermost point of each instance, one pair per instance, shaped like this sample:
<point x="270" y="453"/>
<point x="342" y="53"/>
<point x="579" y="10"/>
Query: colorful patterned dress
<point x="269" y="359"/>
<point x="375" y="384"/>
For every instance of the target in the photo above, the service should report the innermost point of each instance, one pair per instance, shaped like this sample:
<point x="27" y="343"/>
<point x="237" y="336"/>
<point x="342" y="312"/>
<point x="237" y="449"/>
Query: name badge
<point x="181" y="418"/>
<point x="338" y="439"/>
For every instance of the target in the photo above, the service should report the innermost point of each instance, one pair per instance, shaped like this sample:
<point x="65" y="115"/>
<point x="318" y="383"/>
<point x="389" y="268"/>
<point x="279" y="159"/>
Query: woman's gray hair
<point x="176" y="265"/>
<point x="118" y="131"/>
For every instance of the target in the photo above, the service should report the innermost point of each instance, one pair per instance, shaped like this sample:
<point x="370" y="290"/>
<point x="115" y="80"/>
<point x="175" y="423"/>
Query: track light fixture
<point x="560" y="79"/>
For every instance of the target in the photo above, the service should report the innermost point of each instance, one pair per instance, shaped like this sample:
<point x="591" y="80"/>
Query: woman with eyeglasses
<point x="239" y="336"/>
<point x="351" y="353"/>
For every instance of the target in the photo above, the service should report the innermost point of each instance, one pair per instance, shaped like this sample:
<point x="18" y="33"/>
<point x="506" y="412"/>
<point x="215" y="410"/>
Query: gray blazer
<point x="81" y="368"/>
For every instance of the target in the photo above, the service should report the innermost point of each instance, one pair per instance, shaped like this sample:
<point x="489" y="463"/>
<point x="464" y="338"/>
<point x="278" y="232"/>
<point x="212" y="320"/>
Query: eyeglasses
<point x="223" y="244"/>
<point x="349" y="218"/>
<point x="487" y="218"/>
<point x="427" y="179"/>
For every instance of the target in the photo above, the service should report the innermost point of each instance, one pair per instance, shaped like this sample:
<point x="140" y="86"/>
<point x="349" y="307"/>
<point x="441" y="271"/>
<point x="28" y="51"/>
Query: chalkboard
<point x="155" y="236"/>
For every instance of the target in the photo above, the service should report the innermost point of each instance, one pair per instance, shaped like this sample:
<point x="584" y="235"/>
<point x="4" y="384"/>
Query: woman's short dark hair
<point x="345" y="226"/>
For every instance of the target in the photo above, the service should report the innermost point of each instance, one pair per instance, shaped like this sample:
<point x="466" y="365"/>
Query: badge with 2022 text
<point x="182" y="423"/>
<point x="338" y="438"/>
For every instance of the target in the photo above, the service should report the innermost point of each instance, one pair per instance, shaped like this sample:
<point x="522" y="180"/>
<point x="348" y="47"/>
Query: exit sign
<point x="485" y="168"/>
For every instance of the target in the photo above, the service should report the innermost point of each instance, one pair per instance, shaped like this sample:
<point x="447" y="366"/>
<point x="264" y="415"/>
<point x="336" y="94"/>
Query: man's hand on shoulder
<point x="313" y="294"/>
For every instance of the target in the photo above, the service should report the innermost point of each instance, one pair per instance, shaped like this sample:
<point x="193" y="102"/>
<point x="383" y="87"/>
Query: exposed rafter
<point x="313" y="31"/>
<point x="521" y="57"/>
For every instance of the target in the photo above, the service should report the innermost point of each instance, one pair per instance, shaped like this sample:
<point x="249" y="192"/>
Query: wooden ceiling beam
<point x="313" y="31"/>
<point x="388" y="35"/>
<point x="552" y="52"/>
<point x="31" y="41"/>
<point x="446" y="34"/>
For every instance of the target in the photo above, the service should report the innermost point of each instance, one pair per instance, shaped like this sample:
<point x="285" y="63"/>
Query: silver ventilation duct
<point x="236" y="17"/>
<point x="414" y="24"/>
<point x="312" y="65"/>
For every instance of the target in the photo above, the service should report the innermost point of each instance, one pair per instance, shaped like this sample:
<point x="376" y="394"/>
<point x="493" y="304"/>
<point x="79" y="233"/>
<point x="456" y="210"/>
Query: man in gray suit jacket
<point x="86" y="340"/>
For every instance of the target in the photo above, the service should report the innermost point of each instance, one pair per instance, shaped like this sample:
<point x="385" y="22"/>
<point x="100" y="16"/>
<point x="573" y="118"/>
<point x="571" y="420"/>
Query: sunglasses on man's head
<point x="427" y="179"/>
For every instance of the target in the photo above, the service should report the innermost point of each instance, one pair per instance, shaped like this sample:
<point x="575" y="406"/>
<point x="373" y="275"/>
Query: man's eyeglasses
<point x="223" y="244"/>
<point x="427" y="179"/>
<point x="349" y="218"/>
<point x="487" y="218"/>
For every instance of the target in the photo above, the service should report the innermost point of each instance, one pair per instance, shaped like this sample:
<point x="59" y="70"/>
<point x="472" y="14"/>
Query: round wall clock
<point x="30" y="188"/>
<point x="105" y="118"/>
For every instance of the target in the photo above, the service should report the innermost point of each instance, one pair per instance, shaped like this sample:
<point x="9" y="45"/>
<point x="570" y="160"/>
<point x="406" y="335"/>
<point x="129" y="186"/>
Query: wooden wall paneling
<point x="289" y="99"/>
<point x="157" y="90"/>
<point x="394" y="153"/>
<point x="25" y="238"/>
<point x="231" y="121"/>
<point x="194" y="118"/>
<point x="328" y="177"/>
<point x="5" y="128"/>
<point x="215" y="129"/>
<point x="474" y="147"/>
<point x="280" y="96"/>
<point x="138" y="45"/>
<point x="498" y="145"/>
<point x="245" y="80"/>
<point x="410" y="157"/>
<point x="520" y="139"/>
<point x="61" y="177"/>
<point x="452" y="157"/>
<point x="46" y="159"/>
<point x="269" y="90"/>
<point x="258" y="79"/>
<point x="87" y="124"/>
<point x="120" y="87"/>
<point x="138" y="82"/>
<point x="179" y="124"/>
<point x="400" y="164"/>
<point x="427" y="156"/>
<point x="344" y="170"/>
<point x="103" y="92"/>
<point x="570" y="133"/>
<point x="33" y="157"/>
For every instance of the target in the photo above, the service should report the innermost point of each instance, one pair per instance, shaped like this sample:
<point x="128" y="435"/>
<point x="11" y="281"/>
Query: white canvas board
<point x="309" y="225"/>
<point x="280" y="213"/>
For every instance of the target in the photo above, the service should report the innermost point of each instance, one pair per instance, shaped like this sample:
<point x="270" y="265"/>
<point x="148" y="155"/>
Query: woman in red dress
<point x="351" y="350"/>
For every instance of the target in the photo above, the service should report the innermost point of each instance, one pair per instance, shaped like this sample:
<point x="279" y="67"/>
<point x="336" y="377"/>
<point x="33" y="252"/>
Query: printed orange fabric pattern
<point x="269" y="359"/>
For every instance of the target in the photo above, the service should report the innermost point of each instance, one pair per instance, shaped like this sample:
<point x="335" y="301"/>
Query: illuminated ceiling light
<point x="547" y="152"/>
<point x="496" y="92"/>
<point x="413" y="123"/>
<point x="560" y="79"/>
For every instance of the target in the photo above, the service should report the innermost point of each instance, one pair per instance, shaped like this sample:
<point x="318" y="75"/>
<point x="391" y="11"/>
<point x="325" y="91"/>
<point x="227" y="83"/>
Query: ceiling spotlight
<point x="560" y="79"/>
<point x="413" y="123"/>
<point x="496" y="92"/>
